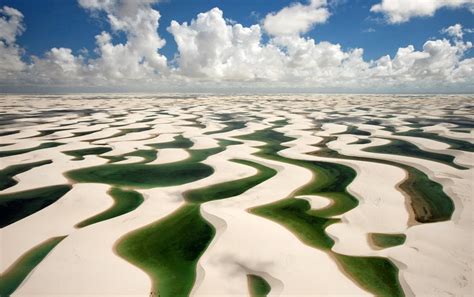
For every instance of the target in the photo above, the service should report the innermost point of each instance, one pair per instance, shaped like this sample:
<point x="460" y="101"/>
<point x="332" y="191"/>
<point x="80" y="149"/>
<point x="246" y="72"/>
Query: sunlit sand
<point x="278" y="195"/>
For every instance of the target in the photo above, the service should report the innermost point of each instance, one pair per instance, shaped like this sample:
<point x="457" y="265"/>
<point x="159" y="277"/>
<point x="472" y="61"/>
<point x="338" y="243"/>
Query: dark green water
<point x="377" y="275"/>
<point x="27" y="150"/>
<point x="383" y="240"/>
<point x="142" y="176"/>
<point x="404" y="148"/>
<point x="169" y="249"/>
<point x="83" y="133"/>
<point x="258" y="286"/>
<point x="454" y="144"/>
<point x="124" y="201"/>
<point x="5" y="133"/>
<point x="121" y="133"/>
<point x="230" y="126"/>
<point x="18" y="205"/>
<point x="354" y="131"/>
<point x="79" y="154"/>
<point x="231" y="188"/>
<point x="7" y="174"/>
<point x="362" y="141"/>
<point x="147" y="155"/>
<point x="48" y="132"/>
<point x="13" y="277"/>
<point x="178" y="142"/>
<point x="428" y="200"/>
<point x="148" y="176"/>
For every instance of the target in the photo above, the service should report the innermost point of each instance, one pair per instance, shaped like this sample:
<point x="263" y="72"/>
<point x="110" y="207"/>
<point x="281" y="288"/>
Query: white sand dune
<point x="170" y="155"/>
<point x="435" y="260"/>
<point x="57" y="219"/>
<point x="444" y="131"/>
<point x="456" y="184"/>
<point x="461" y="157"/>
<point x="88" y="254"/>
<point x="90" y="248"/>
<point x="50" y="174"/>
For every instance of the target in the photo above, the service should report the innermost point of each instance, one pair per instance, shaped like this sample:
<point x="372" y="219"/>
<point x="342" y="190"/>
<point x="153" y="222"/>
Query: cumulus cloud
<point x="455" y="31"/>
<point x="296" y="18"/>
<point x="214" y="51"/>
<point x="58" y="67"/>
<point x="136" y="60"/>
<point x="439" y="61"/>
<point x="317" y="64"/>
<point x="139" y="56"/>
<point x="11" y="26"/>
<point x="399" y="11"/>
<point x="210" y="47"/>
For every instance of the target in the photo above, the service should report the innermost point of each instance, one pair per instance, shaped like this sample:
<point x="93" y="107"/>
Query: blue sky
<point x="331" y="44"/>
<point x="54" y="23"/>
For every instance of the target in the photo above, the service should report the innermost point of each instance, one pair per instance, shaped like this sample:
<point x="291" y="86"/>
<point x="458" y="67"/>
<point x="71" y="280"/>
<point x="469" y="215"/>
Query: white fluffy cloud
<point x="399" y="11"/>
<point x="213" y="51"/>
<point x="11" y="25"/>
<point x="211" y="48"/>
<point x="138" y="58"/>
<point x="439" y="61"/>
<point x="455" y="31"/>
<point x="296" y="18"/>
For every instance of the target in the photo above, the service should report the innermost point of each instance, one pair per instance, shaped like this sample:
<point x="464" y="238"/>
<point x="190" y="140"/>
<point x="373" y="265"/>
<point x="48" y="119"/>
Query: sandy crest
<point x="90" y="249"/>
<point x="423" y="259"/>
<point x="461" y="157"/>
<point x="269" y="250"/>
<point x="51" y="174"/>
<point x="58" y="219"/>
